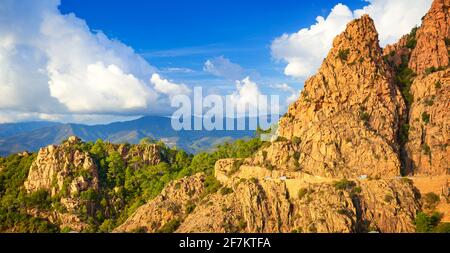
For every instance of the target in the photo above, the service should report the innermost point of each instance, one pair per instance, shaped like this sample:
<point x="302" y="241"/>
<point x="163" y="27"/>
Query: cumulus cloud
<point x="223" y="67"/>
<point x="249" y="100"/>
<point x="304" y="50"/>
<point x="53" y="64"/>
<point x="167" y="87"/>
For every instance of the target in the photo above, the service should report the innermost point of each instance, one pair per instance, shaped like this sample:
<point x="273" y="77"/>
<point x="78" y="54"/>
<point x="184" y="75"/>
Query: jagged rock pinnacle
<point x="432" y="49"/>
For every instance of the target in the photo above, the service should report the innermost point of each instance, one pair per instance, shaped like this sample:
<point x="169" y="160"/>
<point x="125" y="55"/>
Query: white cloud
<point x="223" y="67"/>
<point x="394" y="19"/>
<point x="249" y="100"/>
<point x="178" y="70"/>
<point x="100" y="88"/>
<point x="294" y="94"/>
<point x="14" y="116"/>
<point x="54" y="64"/>
<point x="304" y="50"/>
<point x="167" y="87"/>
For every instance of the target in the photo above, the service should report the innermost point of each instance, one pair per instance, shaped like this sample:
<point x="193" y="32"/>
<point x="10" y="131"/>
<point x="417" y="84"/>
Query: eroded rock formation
<point x="433" y="44"/>
<point x="347" y="118"/>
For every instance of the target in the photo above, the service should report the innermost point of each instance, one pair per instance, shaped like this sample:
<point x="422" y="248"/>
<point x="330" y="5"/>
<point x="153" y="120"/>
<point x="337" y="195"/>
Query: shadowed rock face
<point x="429" y="134"/>
<point x="426" y="150"/>
<point x="432" y="48"/>
<point x="348" y="115"/>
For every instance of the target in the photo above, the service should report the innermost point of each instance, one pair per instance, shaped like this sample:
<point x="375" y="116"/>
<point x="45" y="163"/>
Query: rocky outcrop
<point x="428" y="137"/>
<point x="69" y="173"/>
<point x="62" y="168"/>
<point x="425" y="130"/>
<point x="257" y="203"/>
<point x="167" y="210"/>
<point x="273" y="201"/>
<point x="347" y="118"/>
<point x="337" y="162"/>
<point x="429" y="130"/>
<point x="148" y="154"/>
<point x="345" y="125"/>
<point x="65" y="172"/>
<point x="433" y="39"/>
<point x="399" y="52"/>
<point x="65" y="221"/>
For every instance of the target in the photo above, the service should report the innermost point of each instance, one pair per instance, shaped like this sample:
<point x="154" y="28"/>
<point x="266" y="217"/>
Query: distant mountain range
<point x="30" y="136"/>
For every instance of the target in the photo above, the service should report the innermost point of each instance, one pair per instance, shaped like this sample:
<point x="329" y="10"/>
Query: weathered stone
<point x="347" y="118"/>
<point x="432" y="49"/>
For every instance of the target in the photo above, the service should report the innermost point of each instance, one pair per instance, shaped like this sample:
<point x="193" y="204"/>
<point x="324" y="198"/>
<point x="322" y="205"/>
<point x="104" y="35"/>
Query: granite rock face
<point x="433" y="44"/>
<point x="177" y="200"/>
<point x="347" y="118"/>
<point x="67" y="172"/>
<point x="337" y="163"/>
<point x="429" y="129"/>
<point x="55" y="164"/>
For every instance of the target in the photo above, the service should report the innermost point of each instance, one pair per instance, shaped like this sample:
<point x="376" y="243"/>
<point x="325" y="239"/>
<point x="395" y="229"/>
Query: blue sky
<point x="101" y="61"/>
<point x="179" y="34"/>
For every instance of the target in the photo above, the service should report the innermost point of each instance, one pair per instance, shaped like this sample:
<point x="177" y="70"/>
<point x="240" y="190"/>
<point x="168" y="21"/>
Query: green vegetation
<point x="125" y="185"/>
<point x="344" y="184"/>
<point x="388" y="198"/>
<point x="404" y="134"/>
<point x="14" y="200"/>
<point x="190" y="208"/>
<point x="442" y="228"/>
<point x="170" y="226"/>
<point x="343" y="54"/>
<point x="438" y="85"/>
<point x="447" y="42"/>
<point x="236" y="166"/>
<point x="140" y="183"/>
<point x="212" y="185"/>
<point x="226" y="191"/>
<point x="260" y="132"/>
<point x="426" y="118"/>
<point x="427" y="223"/>
<point x="281" y="139"/>
<point x="297" y="231"/>
<point x="405" y="77"/>
<point x="433" y="70"/>
<point x="302" y="193"/>
<point x="296" y="140"/>
<point x="431" y="200"/>
<point x="412" y="41"/>
<point x="241" y="225"/>
<point x="357" y="190"/>
<point x="363" y="115"/>
<point x="426" y="149"/>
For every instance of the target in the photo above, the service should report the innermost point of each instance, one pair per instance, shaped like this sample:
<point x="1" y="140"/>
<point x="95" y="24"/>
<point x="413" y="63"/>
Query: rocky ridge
<point x="422" y="60"/>
<point x="344" y="126"/>
<point x="433" y="44"/>
<point x="368" y="117"/>
<point x="67" y="172"/>
<point x="346" y="119"/>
